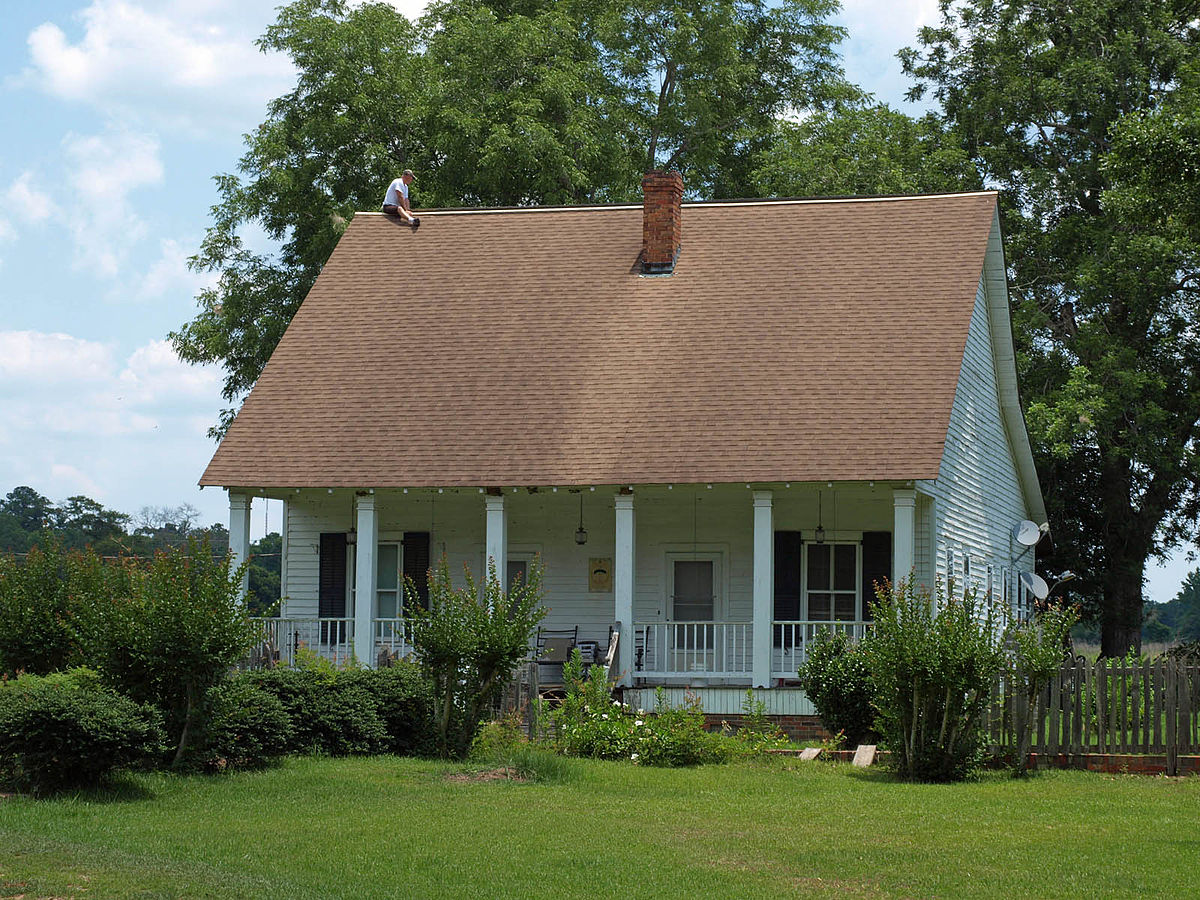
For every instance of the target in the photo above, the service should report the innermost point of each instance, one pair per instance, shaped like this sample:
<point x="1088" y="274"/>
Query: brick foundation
<point x="798" y="728"/>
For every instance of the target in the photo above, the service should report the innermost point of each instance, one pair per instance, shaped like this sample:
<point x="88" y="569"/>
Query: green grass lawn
<point x="387" y="827"/>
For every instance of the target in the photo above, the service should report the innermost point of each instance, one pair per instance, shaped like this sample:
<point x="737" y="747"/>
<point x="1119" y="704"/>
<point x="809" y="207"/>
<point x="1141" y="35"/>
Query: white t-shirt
<point x="395" y="191"/>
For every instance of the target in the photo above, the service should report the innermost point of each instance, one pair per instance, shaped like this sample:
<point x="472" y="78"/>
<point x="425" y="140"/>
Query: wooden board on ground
<point x="864" y="755"/>
<point x="810" y="752"/>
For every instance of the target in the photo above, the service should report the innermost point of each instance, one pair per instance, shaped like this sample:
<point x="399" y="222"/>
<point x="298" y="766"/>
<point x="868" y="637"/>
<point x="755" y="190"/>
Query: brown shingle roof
<point x="796" y="341"/>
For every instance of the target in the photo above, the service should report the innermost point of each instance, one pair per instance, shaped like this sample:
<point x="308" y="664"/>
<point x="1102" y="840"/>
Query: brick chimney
<point x="662" y="194"/>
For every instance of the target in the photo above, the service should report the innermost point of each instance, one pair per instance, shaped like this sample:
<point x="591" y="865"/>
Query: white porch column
<point x="904" y="534"/>
<point x="623" y="582"/>
<point x="365" y="573"/>
<point x="764" y="588"/>
<point x="497" y="538"/>
<point x="239" y="535"/>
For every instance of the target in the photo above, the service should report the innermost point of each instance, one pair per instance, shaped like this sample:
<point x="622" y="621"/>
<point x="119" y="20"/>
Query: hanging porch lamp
<point x="581" y="532"/>
<point x="820" y="528"/>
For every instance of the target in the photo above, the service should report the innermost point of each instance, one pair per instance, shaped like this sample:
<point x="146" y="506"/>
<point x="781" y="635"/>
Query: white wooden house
<point x="718" y="424"/>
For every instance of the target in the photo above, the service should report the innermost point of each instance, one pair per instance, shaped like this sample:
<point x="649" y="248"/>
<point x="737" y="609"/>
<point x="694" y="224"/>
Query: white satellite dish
<point x="1026" y="533"/>
<point x="1035" y="584"/>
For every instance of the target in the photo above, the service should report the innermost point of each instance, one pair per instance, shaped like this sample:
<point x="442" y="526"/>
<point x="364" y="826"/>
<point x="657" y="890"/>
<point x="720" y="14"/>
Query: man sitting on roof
<point x="395" y="201"/>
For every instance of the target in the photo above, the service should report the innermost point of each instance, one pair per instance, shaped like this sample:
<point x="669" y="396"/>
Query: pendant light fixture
<point x="820" y="527"/>
<point x="581" y="532"/>
<point x="352" y="534"/>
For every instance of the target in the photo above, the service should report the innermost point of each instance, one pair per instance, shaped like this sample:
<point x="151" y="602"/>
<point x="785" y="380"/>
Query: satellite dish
<point x="1026" y="533"/>
<point x="1035" y="584"/>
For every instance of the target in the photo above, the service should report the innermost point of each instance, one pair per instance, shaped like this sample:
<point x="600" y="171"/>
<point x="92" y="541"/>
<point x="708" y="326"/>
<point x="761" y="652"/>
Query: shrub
<point x="245" y="727"/>
<point x="499" y="738"/>
<point x="46" y="607"/>
<point x="404" y="698"/>
<point x="591" y="723"/>
<point x="66" y="732"/>
<point x="837" y="679"/>
<point x="1037" y="657"/>
<point x="181" y="629"/>
<point x="328" y="712"/>
<point x="933" y="662"/>
<point x="469" y="645"/>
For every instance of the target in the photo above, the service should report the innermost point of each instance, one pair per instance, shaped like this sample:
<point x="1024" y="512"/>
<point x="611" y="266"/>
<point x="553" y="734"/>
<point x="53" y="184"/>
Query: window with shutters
<point x="394" y="562"/>
<point x="831" y="581"/>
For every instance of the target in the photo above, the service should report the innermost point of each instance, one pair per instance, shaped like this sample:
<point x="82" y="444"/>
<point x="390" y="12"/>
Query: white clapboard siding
<point x="978" y="492"/>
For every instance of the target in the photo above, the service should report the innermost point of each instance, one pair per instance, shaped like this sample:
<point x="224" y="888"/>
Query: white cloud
<point x="34" y="357"/>
<point x="69" y="481"/>
<point x="27" y="202"/>
<point x="66" y="385"/>
<point x="103" y="170"/>
<point x="181" y="64"/>
<point x="169" y="274"/>
<point x="878" y="29"/>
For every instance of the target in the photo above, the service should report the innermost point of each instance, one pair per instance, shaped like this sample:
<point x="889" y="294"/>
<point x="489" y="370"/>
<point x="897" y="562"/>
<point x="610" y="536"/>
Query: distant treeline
<point x="28" y="519"/>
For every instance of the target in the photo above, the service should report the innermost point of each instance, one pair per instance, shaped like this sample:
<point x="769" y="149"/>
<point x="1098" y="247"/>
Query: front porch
<point x="718" y="585"/>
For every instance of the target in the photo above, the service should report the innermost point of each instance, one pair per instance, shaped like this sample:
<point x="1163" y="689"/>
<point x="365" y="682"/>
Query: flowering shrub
<point x="591" y="723"/>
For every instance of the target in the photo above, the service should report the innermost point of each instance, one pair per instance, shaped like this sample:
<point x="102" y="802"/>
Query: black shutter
<point x="332" y="579"/>
<point x="416" y="563"/>
<point x="787" y="576"/>
<point x="876" y="565"/>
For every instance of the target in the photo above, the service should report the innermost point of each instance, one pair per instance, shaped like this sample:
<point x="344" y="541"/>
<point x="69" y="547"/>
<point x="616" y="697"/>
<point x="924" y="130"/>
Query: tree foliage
<point x="863" y="151"/>
<point x="509" y="103"/>
<point x="1073" y="109"/>
<point x="469" y="643"/>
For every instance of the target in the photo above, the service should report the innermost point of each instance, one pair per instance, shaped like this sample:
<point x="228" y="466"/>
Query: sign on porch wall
<point x="600" y="574"/>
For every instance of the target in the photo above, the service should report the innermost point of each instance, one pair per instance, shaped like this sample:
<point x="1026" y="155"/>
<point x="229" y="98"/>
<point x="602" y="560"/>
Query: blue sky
<point x="117" y="113"/>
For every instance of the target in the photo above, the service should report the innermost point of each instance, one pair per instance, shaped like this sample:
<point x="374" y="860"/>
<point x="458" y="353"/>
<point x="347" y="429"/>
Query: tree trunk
<point x="1121" y="610"/>
<point x="1126" y="545"/>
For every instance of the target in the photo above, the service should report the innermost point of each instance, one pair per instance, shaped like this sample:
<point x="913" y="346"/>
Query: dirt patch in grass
<point x="504" y="773"/>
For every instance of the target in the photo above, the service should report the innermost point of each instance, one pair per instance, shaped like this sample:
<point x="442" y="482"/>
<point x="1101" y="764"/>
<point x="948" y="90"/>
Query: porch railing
<point x="689" y="649"/>
<point x="790" y="641"/>
<point x="394" y="636"/>
<point x="331" y="639"/>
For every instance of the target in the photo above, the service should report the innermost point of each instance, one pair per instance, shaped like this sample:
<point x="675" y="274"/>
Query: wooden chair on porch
<point x="554" y="646"/>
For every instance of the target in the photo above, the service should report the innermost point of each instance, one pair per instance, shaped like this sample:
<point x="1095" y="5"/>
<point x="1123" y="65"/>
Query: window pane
<point x="819" y="606"/>
<point x="386" y="608"/>
<point x="387" y="566"/>
<point x="845" y="557"/>
<point x="818" y="567"/>
<point x="516" y="568"/>
<point x="693" y="590"/>
<point x="843" y="607"/>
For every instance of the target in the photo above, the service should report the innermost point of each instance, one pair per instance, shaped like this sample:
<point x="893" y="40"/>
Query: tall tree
<point x="1105" y="304"/>
<point x="864" y="150"/>
<point x="507" y="102"/>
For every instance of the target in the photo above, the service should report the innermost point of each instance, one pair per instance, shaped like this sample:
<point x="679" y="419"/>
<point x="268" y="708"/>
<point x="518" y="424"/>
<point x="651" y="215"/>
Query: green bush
<point x="498" y="739"/>
<point x="245" y="727"/>
<point x="47" y="605"/>
<point x="469" y="643"/>
<point x="836" y="677"/>
<point x="404" y="697"/>
<point x="176" y="635"/>
<point x="65" y="732"/>
<point x="329" y="713"/>
<point x="933" y="661"/>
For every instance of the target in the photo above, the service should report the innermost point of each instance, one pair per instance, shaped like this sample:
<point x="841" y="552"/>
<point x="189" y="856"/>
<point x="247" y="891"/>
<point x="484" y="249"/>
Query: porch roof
<point x="796" y="340"/>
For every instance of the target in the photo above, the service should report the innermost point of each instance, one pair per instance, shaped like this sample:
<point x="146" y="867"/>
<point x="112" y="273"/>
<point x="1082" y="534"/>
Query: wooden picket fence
<point x="1108" y="706"/>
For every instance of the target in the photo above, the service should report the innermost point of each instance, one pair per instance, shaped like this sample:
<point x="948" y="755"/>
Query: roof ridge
<point x="699" y="204"/>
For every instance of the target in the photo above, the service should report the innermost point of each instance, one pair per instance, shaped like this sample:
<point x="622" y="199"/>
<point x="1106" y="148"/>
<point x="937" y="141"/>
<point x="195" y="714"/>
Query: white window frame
<point x="352" y="575"/>
<point x="805" y="588"/>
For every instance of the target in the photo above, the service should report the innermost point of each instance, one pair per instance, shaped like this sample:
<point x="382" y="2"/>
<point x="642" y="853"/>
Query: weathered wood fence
<point x="1108" y="706"/>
